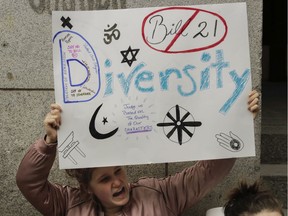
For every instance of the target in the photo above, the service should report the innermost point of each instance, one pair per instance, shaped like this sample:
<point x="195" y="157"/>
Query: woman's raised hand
<point x="52" y="123"/>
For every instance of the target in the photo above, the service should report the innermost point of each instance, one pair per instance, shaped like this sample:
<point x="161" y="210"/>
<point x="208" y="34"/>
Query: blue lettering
<point x="205" y="79"/>
<point x="219" y="65"/>
<point x="144" y="76"/>
<point x="194" y="87"/>
<point x="143" y="79"/>
<point x="164" y="77"/>
<point x="109" y="88"/>
<point x="74" y="65"/>
<point x="205" y="75"/>
<point x="125" y="83"/>
<point x="240" y="83"/>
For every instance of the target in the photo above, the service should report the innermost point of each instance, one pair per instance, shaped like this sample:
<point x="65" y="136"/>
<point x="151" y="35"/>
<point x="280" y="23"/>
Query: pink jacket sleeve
<point x="49" y="199"/>
<point x="184" y="189"/>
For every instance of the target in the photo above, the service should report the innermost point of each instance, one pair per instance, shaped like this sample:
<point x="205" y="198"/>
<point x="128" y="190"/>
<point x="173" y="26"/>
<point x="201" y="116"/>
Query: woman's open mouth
<point x="117" y="194"/>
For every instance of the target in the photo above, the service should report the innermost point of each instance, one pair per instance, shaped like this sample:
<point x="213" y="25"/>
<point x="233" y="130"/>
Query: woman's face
<point x="110" y="186"/>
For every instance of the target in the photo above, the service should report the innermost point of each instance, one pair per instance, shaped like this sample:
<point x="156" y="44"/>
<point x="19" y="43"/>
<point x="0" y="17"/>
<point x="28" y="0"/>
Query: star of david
<point x="129" y="55"/>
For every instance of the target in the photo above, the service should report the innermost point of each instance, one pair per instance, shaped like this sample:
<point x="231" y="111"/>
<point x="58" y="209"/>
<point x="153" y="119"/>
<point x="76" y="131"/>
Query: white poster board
<point x="152" y="85"/>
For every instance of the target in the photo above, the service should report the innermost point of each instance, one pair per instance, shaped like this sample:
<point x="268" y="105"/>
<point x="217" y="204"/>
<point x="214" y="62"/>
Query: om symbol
<point x="115" y="33"/>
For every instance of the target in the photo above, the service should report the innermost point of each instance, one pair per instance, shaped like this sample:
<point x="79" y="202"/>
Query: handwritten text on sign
<point x="129" y="83"/>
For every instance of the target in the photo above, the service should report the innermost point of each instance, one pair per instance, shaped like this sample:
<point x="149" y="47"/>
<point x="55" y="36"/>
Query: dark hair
<point x="83" y="176"/>
<point x="249" y="199"/>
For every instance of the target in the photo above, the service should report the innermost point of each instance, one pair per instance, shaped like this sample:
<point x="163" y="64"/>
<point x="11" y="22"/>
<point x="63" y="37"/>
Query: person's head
<point x="109" y="185"/>
<point x="250" y="200"/>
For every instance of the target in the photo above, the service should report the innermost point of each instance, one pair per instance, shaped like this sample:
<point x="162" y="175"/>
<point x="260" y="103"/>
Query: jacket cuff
<point x="45" y="148"/>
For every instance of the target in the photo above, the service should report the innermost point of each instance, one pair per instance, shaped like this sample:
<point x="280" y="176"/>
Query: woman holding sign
<point x="106" y="190"/>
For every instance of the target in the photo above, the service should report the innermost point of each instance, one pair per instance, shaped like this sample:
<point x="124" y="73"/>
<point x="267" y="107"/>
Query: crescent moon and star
<point x="142" y="116"/>
<point x="92" y="128"/>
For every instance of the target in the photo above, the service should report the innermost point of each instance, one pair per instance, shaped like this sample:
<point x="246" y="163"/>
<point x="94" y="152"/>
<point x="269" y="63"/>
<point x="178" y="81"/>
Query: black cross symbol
<point x="66" y="22"/>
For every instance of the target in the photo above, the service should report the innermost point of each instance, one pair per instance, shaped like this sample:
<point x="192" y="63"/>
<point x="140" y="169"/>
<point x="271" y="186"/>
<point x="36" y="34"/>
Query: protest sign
<point x="152" y="85"/>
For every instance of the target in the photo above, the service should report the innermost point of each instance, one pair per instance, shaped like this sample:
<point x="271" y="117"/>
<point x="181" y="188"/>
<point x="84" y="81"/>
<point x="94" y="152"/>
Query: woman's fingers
<point x="253" y="95"/>
<point x="55" y="106"/>
<point x="52" y="123"/>
<point x="55" y="113"/>
<point x="253" y="102"/>
<point x="253" y="105"/>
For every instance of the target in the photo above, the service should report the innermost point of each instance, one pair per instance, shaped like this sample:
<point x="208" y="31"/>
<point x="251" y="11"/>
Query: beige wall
<point x="26" y="91"/>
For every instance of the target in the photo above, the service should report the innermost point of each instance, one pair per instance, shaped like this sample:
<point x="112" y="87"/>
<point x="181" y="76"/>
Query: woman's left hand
<point x="253" y="103"/>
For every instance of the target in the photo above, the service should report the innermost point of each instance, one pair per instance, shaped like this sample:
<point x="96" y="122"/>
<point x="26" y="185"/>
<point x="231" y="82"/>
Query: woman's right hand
<point x="52" y="123"/>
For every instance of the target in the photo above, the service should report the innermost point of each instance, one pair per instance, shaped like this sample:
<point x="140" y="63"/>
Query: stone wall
<point x="26" y="91"/>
